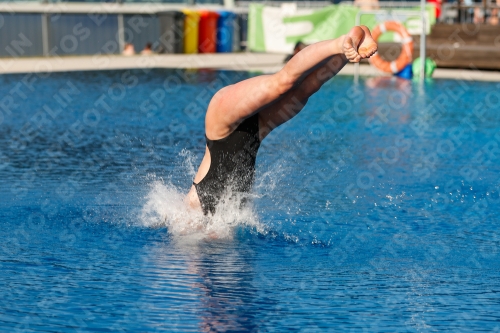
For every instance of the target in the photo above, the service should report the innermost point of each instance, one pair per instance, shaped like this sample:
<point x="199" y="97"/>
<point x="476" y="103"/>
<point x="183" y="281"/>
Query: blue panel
<point x="225" y="31"/>
<point x="84" y="34"/>
<point x="20" y="35"/>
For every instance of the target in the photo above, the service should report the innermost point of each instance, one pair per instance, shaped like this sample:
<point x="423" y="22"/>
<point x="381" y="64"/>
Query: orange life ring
<point x="405" y="57"/>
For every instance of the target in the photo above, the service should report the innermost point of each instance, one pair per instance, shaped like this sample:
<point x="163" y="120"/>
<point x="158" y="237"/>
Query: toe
<point x="350" y="53"/>
<point x="348" y="44"/>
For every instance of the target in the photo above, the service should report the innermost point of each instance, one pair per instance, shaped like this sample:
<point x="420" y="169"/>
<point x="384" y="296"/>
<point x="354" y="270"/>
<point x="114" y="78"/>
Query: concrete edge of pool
<point x="262" y="62"/>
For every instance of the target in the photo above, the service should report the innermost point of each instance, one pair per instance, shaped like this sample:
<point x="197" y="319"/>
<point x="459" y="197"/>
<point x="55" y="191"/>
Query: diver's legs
<point x="234" y="103"/>
<point x="292" y="103"/>
<point x="301" y="77"/>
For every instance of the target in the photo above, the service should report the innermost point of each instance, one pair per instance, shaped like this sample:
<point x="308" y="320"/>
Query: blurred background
<point x="457" y="32"/>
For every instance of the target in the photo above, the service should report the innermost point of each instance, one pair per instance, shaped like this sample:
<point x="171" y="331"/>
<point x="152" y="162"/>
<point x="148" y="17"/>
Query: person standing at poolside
<point x="128" y="50"/>
<point x="241" y="115"/>
<point x="148" y="49"/>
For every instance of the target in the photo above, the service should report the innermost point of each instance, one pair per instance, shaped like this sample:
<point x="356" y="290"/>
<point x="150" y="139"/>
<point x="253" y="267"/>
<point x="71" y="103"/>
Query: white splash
<point x="165" y="206"/>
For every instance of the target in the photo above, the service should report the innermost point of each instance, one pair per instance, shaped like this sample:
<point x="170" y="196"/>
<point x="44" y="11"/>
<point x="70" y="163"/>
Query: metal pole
<point x="485" y="8"/>
<point x="422" y="40"/>
<point x="121" y="34"/>
<point x="228" y="3"/>
<point x="356" y="66"/>
<point x="45" y="34"/>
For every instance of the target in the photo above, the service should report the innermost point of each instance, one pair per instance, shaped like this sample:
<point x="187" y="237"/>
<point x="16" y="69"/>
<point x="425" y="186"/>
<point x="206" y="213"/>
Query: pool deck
<point x="259" y="62"/>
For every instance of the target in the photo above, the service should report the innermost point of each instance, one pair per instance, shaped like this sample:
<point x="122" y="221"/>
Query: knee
<point x="218" y="96"/>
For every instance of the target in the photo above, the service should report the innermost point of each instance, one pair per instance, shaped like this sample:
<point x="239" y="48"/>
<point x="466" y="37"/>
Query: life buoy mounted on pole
<point x="406" y="55"/>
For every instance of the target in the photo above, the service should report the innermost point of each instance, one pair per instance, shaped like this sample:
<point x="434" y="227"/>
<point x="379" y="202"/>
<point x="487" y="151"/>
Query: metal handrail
<point x="446" y="8"/>
<point x="300" y="4"/>
<point x="383" y="4"/>
<point x="487" y="6"/>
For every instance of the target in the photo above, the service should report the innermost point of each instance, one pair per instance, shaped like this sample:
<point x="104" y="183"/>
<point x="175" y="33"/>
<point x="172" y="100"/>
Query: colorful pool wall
<point x="180" y="31"/>
<point x="272" y="29"/>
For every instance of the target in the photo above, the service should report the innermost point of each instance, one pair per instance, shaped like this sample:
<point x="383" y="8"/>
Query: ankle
<point x="340" y="41"/>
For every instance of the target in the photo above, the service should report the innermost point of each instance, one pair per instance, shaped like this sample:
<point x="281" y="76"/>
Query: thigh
<point x="292" y="102"/>
<point x="234" y="103"/>
<point x="295" y="99"/>
<point x="281" y="111"/>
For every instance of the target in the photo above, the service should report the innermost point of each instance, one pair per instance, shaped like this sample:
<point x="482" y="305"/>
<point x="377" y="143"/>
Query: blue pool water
<point x="376" y="209"/>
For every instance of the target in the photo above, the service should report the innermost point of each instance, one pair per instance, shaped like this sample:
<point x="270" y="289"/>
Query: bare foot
<point x="351" y="43"/>
<point x="368" y="45"/>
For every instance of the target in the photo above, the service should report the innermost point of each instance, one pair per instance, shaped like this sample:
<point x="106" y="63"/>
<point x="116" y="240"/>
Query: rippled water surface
<point x="377" y="209"/>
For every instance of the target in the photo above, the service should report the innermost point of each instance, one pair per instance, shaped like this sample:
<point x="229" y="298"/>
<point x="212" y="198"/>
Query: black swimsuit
<point x="232" y="164"/>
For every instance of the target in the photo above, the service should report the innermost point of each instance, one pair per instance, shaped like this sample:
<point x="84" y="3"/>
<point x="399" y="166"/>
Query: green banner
<point x="275" y="29"/>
